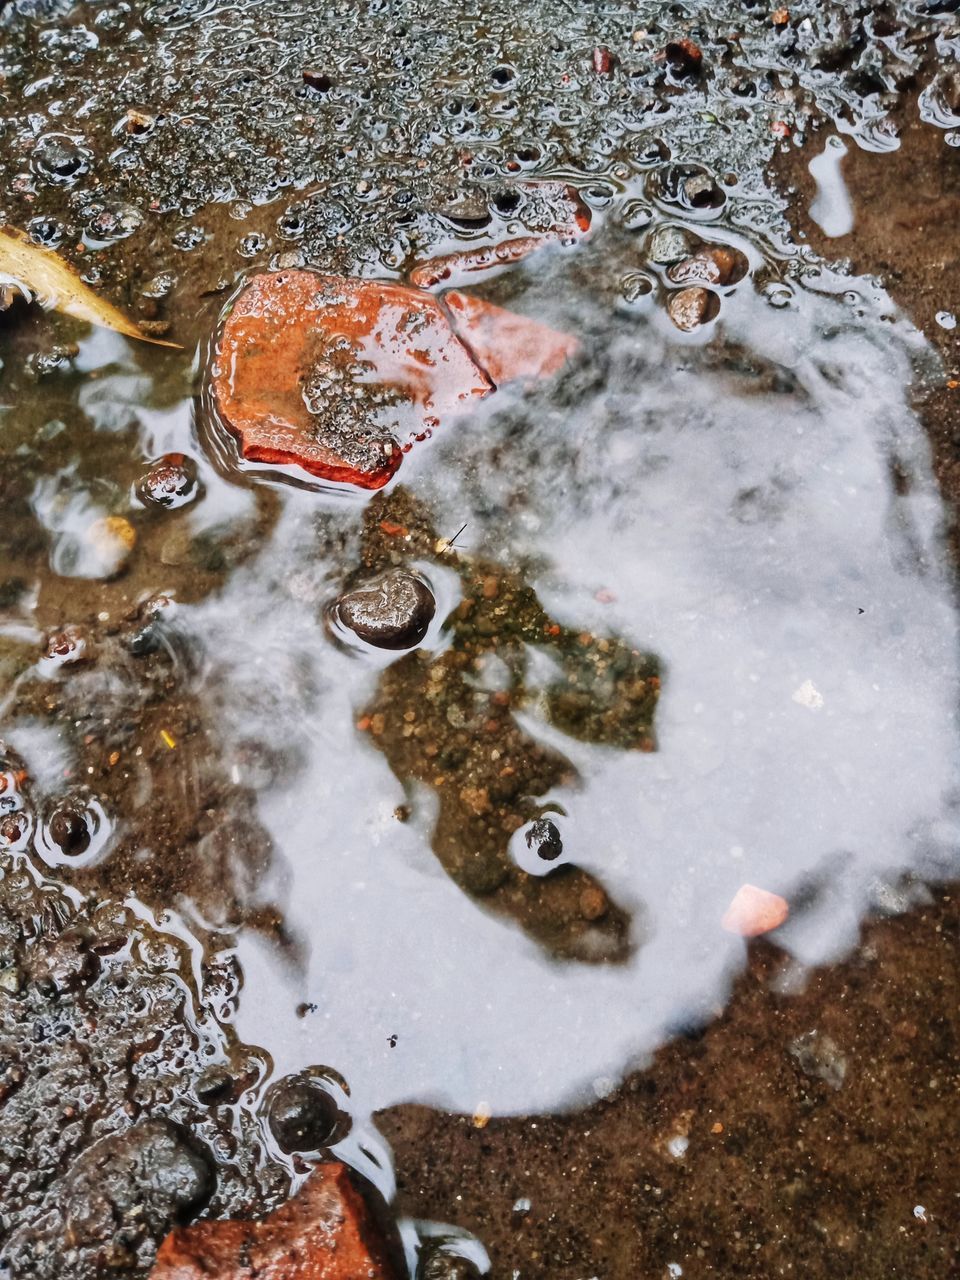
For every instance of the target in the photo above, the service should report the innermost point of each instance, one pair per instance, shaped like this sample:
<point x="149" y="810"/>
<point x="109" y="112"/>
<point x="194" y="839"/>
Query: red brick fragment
<point x="298" y="346"/>
<point x="326" y="1232"/>
<point x="553" y="212"/>
<point x="436" y="270"/>
<point x="508" y="346"/>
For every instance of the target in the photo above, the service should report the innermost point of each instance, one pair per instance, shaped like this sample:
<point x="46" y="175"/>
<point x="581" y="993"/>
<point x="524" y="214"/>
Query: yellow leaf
<point x="42" y="275"/>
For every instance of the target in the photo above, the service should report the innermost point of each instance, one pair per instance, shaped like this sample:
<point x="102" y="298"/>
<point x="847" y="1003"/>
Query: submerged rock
<point x="393" y="612"/>
<point x="108" y="544"/>
<point x="132" y="1186"/>
<point x="753" y="911"/>
<point x="711" y="264"/>
<point x="509" y="347"/>
<point x="439" y="1263"/>
<point x="170" y="482"/>
<point x="670" y="244"/>
<point x="59" y="159"/>
<point x="693" y="307"/>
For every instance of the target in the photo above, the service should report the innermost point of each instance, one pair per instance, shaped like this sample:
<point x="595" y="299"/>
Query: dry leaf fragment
<point x="42" y="275"/>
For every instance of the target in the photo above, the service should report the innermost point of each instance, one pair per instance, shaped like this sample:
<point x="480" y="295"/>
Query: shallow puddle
<point x="688" y="625"/>
<point x="756" y="511"/>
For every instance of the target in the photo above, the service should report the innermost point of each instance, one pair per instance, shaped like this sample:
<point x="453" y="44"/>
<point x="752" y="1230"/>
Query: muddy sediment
<point x="810" y="1133"/>
<point x="905" y="203"/>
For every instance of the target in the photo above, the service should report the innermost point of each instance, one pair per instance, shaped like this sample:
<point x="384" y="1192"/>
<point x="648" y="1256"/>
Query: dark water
<point x="747" y="510"/>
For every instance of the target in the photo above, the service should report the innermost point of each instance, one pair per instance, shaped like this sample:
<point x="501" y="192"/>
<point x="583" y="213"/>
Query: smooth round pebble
<point x="392" y="612"/>
<point x="302" y="1115"/>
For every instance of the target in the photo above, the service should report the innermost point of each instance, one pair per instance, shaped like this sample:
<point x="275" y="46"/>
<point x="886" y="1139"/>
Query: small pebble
<point x="712" y="264"/>
<point x="215" y="1084"/>
<point x="544" y="837"/>
<point x="69" y="829"/>
<point x="439" y="1264"/>
<point x="691" y="308"/>
<point x="171" y="482"/>
<point x="669" y="244"/>
<point x="112" y="538"/>
<point x="302" y="1115"/>
<point x="593" y="903"/>
<point x="393" y="612"/>
<point x="13" y="828"/>
<point x="137" y="123"/>
<point x="66" y="646"/>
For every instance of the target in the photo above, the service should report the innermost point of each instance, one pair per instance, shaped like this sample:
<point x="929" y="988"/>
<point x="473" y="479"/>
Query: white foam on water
<point x="754" y="538"/>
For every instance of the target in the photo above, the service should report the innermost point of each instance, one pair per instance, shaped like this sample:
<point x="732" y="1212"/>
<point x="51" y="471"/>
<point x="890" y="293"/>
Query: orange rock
<point x="326" y="1232"/>
<point x="508" y="346"/>
<point x="329" y="373"/>
<point x="754" y="911"/>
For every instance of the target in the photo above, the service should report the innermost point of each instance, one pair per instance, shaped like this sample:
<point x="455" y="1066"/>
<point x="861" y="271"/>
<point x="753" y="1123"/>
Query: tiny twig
<point x="452" y="540"/>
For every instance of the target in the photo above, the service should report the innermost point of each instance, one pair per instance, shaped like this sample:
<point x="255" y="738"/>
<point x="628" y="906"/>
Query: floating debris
<point x="808" y="695"/>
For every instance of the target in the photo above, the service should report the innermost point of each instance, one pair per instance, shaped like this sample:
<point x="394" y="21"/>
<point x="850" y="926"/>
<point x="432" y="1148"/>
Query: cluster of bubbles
<point x="362" y="116"/>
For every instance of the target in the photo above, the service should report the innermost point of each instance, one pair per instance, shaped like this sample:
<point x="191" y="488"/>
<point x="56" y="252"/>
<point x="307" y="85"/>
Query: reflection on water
<point x="756" y="510"/>
<point x="447" y="721"/>
<point x="831" y="209"/>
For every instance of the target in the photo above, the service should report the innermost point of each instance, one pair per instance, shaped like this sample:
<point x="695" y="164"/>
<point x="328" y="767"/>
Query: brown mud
<point x="434" y="725"/>
<point x="795" y="1135"/>
<point x="907" y="203"/>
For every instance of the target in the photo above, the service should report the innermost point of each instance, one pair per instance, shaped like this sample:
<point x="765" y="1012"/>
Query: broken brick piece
<point x="331" y="374"/>
<point x="754" y="911"/>
<point x="326" y="1232"/>
<point x="508" y="346"/>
